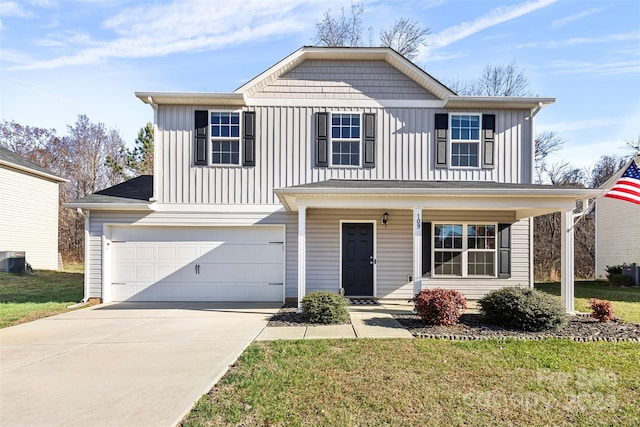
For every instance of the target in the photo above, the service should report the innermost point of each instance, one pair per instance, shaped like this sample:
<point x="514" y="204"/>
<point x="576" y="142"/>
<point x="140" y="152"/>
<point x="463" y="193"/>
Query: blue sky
<point x="61" y="58"/>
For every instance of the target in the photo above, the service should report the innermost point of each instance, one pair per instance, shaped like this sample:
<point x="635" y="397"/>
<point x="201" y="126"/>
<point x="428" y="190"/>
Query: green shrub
<point x="325" y="307"/>
<point x="601" y="309"/>
<point x="526" y="309"/>
<point x="619" y="280"/>
<point x="439" y="306"/>
<point x="613" y="270"/>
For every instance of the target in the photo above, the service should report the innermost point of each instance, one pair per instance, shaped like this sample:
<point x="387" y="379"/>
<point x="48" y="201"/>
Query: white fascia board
<point x="191" y="98"/>
<point x="216" y="208"/>
<point x="353" y="103"/>
<point x="29" y="171"/>
<point x="510" y="102"/>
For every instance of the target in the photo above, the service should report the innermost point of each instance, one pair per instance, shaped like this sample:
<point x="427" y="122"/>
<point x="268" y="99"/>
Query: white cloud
<point x="580" y="125"/>
<point x="495" y="17"/>
<point x="152" y="30"/>
<point x="11" y="8"/>
<point x="608" y="67"/>
<point x="575" y="17"/>
<point x="575" y="41"/>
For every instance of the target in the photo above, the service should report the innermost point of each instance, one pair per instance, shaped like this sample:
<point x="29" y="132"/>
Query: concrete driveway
<point x="126" y="364"/>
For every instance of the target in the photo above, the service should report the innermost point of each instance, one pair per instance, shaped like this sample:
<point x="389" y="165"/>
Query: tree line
<point x="91" y="156"/>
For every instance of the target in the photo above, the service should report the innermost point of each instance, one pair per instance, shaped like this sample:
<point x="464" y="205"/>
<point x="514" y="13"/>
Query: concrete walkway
<point x="129" y="364"/>
<point x="367" y="321"/>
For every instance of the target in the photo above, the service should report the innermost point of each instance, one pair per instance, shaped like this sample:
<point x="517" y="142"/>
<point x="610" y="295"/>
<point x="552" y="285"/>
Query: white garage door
<point x="197" y="263"/>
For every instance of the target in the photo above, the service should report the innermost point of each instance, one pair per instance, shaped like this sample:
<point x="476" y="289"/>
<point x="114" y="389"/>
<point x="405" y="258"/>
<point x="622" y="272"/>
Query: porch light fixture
<point x="385" y="219"/>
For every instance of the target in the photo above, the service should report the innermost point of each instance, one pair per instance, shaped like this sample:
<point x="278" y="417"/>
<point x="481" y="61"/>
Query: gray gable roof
<point x="15" y="161"/>
<point x="134" y="191"/>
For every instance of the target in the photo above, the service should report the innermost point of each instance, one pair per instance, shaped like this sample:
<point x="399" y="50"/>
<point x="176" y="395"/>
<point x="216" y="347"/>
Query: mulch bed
<point x="471" y="327"/>
<point x="287" y="316"/>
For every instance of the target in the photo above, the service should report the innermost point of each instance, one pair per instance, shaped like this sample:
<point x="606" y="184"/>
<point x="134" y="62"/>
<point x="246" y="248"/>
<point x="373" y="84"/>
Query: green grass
<point x="626" y="301"/>
<point x="26" y="297"/>
<point x="426" y="382"/>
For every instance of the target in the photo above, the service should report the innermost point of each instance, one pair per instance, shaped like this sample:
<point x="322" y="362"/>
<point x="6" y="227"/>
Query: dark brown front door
<point x="357" y="259"/>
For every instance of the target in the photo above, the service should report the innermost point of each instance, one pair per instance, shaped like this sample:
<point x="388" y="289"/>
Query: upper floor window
<point x="464" y="250"/>
<point x="225" y="138"/>
<point x="465" y="140"/>
<point x="345" y="139"/>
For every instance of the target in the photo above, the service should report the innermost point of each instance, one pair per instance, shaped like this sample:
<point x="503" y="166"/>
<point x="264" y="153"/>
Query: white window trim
<point x="210" y="139"/>
<point x="330" y="139"/>
<point x="452" y="141"/>
<point x="464" y="251"/>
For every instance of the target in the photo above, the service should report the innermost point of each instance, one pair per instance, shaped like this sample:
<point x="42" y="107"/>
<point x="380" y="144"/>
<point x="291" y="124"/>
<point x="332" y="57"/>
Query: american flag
<point x="628" y="186"/>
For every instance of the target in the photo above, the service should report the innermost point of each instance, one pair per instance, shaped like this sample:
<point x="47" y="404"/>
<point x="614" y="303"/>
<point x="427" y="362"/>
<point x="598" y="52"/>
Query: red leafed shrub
<point x="601" y="310"/>
<point x="439" y="306"/>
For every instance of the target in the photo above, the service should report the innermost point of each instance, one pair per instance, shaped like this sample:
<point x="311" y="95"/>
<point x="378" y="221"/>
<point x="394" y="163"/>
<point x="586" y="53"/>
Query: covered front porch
<point x="389" y="239"/>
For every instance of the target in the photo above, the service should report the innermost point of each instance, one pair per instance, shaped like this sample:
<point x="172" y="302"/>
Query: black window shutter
<point x="369" y="140"/>
<point x="441" y="127"/>
<point x="321" y="142"/>
<point x="426" y="248"/>
<point x="249" y="138"/>
<point x="488" y="140"/>
<point x="200" y="140"/>
<point x="504" y="251"/>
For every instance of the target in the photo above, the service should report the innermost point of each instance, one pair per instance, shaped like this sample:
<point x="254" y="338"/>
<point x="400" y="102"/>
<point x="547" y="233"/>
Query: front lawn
<point x="426" y="382"/>
<point x="626" y="301"/>
<point x="26" y="297"/>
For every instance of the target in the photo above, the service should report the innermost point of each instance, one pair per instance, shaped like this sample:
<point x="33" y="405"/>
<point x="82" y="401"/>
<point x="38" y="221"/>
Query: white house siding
<point x="316" y="79"/>
<point x="394" y="251"/>
<point x="100" y="218"/>
<point x="284" y="154"/>
<point x="617" y="234"/>
<point x="29" y="217"/>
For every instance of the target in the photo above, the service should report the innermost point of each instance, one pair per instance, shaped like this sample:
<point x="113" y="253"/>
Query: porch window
<point x="345" y="140"/>
<point x="225" y="138"/>
<point x="465" y="140"/>
<point x="464" y="250"/>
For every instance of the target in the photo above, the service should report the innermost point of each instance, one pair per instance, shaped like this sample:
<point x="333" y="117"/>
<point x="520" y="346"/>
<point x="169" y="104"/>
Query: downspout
<point x="155" y="148"/>
<point x="87" y="216"/>
<point x="532" y="219"/>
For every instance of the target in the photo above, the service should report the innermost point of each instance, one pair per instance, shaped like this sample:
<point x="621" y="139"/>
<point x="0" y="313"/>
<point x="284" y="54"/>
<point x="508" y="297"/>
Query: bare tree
<point x="547" y="142"/>
<point x="342" y="30"/>
<point x="30" y="142"/>
<point x="633" y="145"/>
<point x="604" y="169"/>
<point x="495" y="80"/>
<point x="406" y="36"/>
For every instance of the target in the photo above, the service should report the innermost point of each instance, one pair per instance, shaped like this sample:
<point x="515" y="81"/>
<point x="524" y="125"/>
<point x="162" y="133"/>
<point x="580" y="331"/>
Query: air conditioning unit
<point x="13" y="261"/>
<point x="632" y="272"/>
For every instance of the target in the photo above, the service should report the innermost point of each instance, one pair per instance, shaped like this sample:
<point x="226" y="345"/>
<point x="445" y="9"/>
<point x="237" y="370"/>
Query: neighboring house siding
<point x="29" y="217"/>
<point x="316" y="79"/>
<point x="284" y="154"/>
<point x="617" y="234"/>
<point x="99" y="219"/>
<point x="394" y="251"/>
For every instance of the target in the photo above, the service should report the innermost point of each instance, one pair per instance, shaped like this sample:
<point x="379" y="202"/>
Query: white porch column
<point x="567" y="267"/>
<point x="302" y="254"/>
<point x="417" y="250"/>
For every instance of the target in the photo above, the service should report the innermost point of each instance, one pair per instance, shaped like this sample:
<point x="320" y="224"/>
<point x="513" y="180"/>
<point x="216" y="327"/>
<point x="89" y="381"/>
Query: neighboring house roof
<point x="133" y="194"/>
<point x="447" y="97"/>
<point x="530" y="199"/>
<point x="14" y="161"/>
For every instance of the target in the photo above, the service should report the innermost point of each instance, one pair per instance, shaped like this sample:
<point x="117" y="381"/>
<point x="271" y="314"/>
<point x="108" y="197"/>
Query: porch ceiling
<point x="525" y="200"/>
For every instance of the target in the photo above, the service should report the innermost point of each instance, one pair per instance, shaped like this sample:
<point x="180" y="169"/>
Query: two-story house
<point x="342" y="169"/>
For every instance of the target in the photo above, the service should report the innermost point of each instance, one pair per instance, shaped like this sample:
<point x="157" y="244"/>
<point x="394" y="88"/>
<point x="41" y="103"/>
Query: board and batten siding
<point x="394" y="251"/>
<point x="285" y="150"/>
<point x="185" y="219"/>
<point x="29" y="217"/>
<point x="617" y="234"/>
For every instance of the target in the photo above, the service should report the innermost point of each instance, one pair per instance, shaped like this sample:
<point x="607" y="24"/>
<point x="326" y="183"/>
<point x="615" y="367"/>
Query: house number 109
<point x="418" y="222"/>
